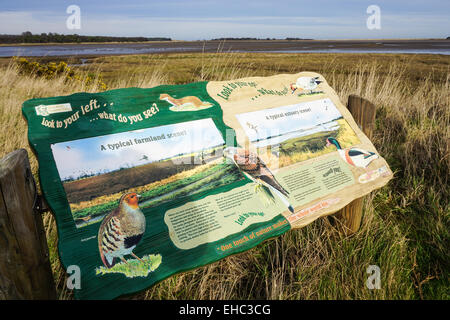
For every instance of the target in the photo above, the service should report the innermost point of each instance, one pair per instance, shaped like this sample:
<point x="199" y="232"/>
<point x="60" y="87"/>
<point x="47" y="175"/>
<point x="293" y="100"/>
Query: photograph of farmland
<point x="160" y="164"/>
<point x="290" y="134"/>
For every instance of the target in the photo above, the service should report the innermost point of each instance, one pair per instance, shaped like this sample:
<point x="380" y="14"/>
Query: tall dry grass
<point x="15" y="88"/>
<point x="405" y="225"/>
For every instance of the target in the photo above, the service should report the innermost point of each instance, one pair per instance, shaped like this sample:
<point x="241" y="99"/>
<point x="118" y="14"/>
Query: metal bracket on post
<point x="40" y="206"/>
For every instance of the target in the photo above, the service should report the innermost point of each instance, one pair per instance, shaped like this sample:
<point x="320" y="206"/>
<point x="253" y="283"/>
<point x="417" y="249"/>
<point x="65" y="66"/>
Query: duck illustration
<point x="353" y="156"/>
<point x="257" y="171"/>
<point x="121" y="230"/>
<point x="306" y="83"/>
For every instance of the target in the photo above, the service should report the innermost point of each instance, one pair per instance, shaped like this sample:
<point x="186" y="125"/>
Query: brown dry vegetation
<point x="113" y="182"/>
<point x="131" y="186"/>
<point x="405" y="225"/>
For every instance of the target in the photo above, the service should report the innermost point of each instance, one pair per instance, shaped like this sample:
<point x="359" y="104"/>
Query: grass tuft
<point x="264" y="194"/>
<point x="133" y="268"/>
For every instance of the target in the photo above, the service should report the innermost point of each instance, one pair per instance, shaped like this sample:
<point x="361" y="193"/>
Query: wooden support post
<point x="25" y="271"/>
<point x="363" y="112"/>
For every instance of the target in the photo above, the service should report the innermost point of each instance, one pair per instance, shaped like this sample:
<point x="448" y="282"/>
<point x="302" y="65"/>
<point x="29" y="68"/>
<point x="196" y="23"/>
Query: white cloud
<point x="87" y="155"/>
<point x="16" y="22"/>
<point x="189" y="28"/>
<point x="322" y="111"/>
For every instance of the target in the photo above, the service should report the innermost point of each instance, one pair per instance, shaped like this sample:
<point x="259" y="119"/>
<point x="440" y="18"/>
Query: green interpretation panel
<point x="147" y="183"/>
<point x="140" y="186"/>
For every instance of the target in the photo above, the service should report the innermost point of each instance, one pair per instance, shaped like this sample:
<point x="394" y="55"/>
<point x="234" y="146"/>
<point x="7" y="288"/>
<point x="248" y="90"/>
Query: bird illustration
<point x="144" y="157"/>
<point x="253" y="127"/>
<point x="305" y="83"/>
<point x="121" y="230"/>
<point x="86" y="218"/>
<point x="353" y="156"/>
<point x="256" y="170"/>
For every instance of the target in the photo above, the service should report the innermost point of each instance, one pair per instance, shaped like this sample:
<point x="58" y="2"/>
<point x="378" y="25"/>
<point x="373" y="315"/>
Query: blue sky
<point x="73" y="158"/>
<point x="315" y="113"/>
<point x="201" y="19"/>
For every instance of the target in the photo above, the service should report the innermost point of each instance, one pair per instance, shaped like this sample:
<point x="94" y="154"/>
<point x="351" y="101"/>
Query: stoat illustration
<point x="185" y="101"/>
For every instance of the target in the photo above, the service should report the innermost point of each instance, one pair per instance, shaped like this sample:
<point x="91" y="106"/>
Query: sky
<point x="202" y="19"/>
<point x="73" y="158"/>
<point x="267" y="123"/>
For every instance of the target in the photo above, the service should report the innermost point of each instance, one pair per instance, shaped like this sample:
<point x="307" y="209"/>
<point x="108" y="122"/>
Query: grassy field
<point x="405" y="229"/>
<point x="303" y="148"/>
<point x="199" y="179"/>
<point x="112" y="182"/>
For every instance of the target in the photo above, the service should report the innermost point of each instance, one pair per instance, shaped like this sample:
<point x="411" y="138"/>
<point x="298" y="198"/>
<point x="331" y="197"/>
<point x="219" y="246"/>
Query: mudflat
<point x="437" y="46"/>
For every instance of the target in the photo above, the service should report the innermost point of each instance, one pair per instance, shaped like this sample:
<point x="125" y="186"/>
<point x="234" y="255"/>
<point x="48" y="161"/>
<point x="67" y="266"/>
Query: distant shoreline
<point x="398" y="46"/>
<point x="196" y="41"/>
<point x="25" y="44"/>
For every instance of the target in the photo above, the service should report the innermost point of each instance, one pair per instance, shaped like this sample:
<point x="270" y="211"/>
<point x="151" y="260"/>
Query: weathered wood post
<point x="363" y="112"/>
<point x="25" y="271"/>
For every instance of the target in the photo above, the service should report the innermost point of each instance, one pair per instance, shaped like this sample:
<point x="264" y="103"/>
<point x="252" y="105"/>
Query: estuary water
<point x="330" y="126"/>
<point x="439" y="46"/>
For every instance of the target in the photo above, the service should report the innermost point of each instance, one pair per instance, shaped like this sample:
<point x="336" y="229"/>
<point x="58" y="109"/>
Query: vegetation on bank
<point x="28" y="37"/>
<point x="53" y="70"/>
<point x="303" y="148"/>
<point x="203" y="178"/>
<point x="405" y="228"/>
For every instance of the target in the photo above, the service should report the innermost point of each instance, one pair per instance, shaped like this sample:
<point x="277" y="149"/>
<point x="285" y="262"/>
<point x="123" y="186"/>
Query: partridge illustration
<point x="256" y="170"/>
<point x="121" y="230"/>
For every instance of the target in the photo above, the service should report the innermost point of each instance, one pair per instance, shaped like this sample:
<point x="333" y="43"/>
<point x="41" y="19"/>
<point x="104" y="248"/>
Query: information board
<point x="147" y="183"/>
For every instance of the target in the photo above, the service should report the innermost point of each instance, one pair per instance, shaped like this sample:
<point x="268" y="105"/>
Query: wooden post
<point x="25" y="271"/>
<point x="363" y="112"/>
